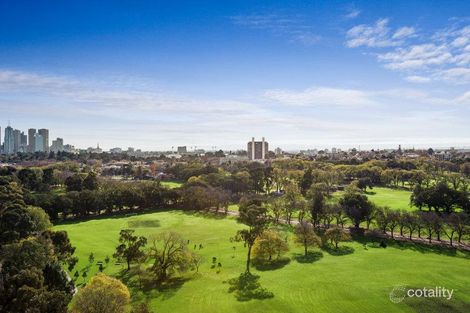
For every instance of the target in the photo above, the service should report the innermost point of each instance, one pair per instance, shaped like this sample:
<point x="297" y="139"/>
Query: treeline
<point x="109" y="197"/>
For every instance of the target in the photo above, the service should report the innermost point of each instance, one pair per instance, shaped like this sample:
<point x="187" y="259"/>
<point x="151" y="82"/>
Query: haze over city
<point x="212" y="74"/>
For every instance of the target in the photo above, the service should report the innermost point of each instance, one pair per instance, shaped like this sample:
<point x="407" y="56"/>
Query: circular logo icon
<point x="397" y="294"/>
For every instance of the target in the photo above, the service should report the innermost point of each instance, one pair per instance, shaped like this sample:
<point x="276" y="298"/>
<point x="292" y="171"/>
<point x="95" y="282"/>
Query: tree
<point x="130" y="247"/>
<point x="305" y="235"/>
<point x="357" y="207"/>
<point x="90" y="182"/>
<point x="31" y="178"/>
<point x="317" y="203"/>
<point x="276" y="207"/>
<point x="458" y="222"/>
<point x="254" y="216"/>
<point x="307" y="181"/>
<point x="48" y="177"/>
<point x="336" y="234"/>
<point x="364" y="182"/>
<point x="411" y="222"/>
<point x="293" y="200"/>
<point x="382" y="219"/>
<point x="169" y="254"/>
<point x="393" y="221"/>
<point x="103" y="294"/>
<point x="74" y="183"/>
<point x="39" y="218"/>
<point x="429" y="220"/>
<point x="268" y="245"/>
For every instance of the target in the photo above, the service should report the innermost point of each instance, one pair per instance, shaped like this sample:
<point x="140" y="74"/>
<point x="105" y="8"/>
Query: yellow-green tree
<point x="270" y="245"/>
<point x="103" y="294"/>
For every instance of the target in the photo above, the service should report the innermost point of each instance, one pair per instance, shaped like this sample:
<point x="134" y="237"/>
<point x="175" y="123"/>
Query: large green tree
<point x="130" y="247"/>
<point x="254" y="215"/>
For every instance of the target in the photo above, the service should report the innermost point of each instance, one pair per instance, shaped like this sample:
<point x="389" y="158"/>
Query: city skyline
<point x="303" y="75"/>
<point x="27" y="141"/>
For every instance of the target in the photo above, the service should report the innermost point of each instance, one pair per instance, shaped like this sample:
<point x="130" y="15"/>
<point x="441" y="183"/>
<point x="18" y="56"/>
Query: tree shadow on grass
<point x="263" y="265"/>
<point x="309" y="258"/>
<point x="342" y="250"/>
<point x="436" y="305"/>
<point x="146" y="283"/>
<point x="247" y="287"/>
<point x="371" y="240"/>
<point x="143" y="223"/>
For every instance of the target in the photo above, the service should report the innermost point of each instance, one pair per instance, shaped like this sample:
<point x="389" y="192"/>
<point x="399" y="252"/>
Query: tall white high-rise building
<point x="39" y="143"/>
<point x="45" y="137"/>
<point x="8" y="144"/>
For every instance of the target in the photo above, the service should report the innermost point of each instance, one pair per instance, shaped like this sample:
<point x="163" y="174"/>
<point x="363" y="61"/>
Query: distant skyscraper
<point x="8" y="144"/>
<point x="57" y="145"/>
<point x="24" y="142"/>
<point x="45" y="137"/>
<point x="16" y="140"/>
<point x="182" y="149"/>
<point x="257" y="150"/>
<point x="31" y="141"/>
<point x="39" y="143"/>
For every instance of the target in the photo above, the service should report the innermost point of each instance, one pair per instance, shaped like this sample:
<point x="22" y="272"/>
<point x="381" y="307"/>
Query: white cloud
<point x="353" y="13"/>
<point x="416" y="56"/>
<point x="377" y="35"/>
<point x="320" y="96"/>
<point x="418" y="79"/>
<point x="404" y="32"/>
<point x="444" y="56"/>
<point x="295" y="28"/>
<point x="458" y="75"/>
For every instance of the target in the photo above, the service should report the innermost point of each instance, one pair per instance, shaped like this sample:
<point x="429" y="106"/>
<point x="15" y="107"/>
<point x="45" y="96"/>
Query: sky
<point x="212" y="74"/>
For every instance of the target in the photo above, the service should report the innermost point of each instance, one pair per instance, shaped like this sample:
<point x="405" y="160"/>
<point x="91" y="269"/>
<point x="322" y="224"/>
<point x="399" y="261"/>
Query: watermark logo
<point x="397" y="294"/>
<point x="400" y="292"/>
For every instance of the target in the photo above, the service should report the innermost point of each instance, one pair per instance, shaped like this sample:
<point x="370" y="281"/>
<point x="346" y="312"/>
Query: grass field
<point x="356" y="282"/>
<point x="396" y="199"/>
<point x="171" y="184"/>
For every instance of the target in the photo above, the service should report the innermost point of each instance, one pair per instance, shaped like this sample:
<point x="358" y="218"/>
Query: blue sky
<point x="303" y="74"/>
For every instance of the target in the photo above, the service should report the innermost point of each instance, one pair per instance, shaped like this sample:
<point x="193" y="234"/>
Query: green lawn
<point x="396" y="199"/>
<point x="171" y="184"/>
<point x="356" y="282"/>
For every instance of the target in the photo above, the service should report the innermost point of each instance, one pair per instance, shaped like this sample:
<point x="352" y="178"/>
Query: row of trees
<point x="110" y="197"/>
<point x="453" y="225"/>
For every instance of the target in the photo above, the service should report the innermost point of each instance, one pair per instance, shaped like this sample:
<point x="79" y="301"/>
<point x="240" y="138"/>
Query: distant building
<point x="45" y="137"/>
<point x="69" y="149"/>
<point x="115" y="150"/>
<point x="57" y="145"/>
<point x="182" y="149"/>
<point x="16" y="140"/>
<point x="8" y="144"/>
<point x="95" y="150"/>
<point x="31" y="140"/>
<point x="278" y="151"/>
<point x="257" y="150"/>
<point x="23" y="142"/>
<point x="38" y="143"/>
